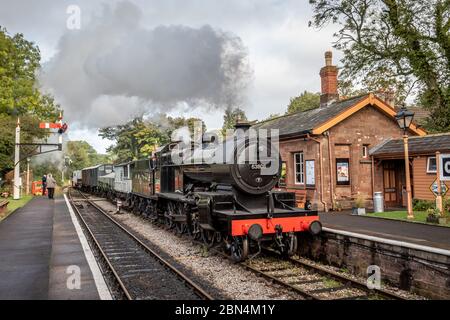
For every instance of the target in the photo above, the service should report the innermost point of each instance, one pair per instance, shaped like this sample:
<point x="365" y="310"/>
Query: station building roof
<point x="428" y="144"/>
<point x="319" y="120"/>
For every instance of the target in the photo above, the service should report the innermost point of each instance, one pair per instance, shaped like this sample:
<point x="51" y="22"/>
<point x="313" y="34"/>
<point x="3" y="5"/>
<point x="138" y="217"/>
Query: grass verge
<point x="419" y="216"/>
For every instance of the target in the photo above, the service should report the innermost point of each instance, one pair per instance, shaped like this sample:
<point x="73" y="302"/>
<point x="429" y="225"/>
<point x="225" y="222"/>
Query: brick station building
<point x="325" y="151"/>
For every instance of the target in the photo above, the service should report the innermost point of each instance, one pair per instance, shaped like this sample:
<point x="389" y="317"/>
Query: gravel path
<point x="229" y="280"/>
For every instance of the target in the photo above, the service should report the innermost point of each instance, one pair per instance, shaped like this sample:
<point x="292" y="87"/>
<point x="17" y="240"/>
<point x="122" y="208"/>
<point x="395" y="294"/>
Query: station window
<point x="365" y="151"/>
<point x="431" y="165"/>
<point x="299" y="168"/>
<point x="125" y="172"/>
<point x="282" y="181"/>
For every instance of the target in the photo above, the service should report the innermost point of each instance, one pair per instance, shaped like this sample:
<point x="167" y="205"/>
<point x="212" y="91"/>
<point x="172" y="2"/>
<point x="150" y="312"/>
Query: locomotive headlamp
<point x="255" y="232"/>
<point x="315" y="227"/>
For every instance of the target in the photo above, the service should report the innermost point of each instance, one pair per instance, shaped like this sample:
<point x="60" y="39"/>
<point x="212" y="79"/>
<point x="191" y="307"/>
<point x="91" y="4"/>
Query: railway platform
<point x="45" y="255"/>
<point x="409" y="232"/>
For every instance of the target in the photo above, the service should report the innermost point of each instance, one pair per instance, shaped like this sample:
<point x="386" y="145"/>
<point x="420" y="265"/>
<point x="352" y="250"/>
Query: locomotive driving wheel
<point x="180" y="210"/>
<point x="194" y="229"/>
<point x="239" y="248"/>
<point x="150" y="211"/>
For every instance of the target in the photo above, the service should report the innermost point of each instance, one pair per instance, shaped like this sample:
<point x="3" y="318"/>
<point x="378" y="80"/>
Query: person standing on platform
<point x="44" y="184"/>
<point x="51" y="185"/>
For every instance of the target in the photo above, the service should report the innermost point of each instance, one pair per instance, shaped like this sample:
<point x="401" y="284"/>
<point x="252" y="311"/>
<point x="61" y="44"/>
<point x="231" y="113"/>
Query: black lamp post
<point x="404" y="119"/>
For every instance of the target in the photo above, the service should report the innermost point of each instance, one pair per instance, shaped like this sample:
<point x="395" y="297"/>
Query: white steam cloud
<point x="113" y="68"/>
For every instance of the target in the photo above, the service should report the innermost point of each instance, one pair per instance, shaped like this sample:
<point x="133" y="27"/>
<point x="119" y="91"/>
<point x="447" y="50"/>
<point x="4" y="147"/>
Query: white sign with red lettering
<point x="445" y="167"/>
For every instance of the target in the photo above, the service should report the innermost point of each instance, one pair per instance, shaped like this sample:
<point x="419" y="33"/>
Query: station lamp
<point x="404" y="119"/>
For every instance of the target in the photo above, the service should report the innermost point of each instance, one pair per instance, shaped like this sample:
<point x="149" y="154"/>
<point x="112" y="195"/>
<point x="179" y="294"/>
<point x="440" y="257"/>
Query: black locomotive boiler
<point x="219" y="193"/>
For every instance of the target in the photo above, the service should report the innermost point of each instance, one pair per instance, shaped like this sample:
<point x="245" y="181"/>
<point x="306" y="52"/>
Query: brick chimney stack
<point x="329" y="82"/>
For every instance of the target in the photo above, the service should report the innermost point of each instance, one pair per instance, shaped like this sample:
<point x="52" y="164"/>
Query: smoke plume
<point x="113" y="68"/>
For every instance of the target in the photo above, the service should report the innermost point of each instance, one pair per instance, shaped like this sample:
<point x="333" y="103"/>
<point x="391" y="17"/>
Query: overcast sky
<point x="183" y="57"/>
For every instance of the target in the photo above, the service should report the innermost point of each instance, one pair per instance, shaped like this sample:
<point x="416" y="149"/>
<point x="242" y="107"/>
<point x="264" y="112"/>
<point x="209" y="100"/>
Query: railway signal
<point x="62" y="128"/>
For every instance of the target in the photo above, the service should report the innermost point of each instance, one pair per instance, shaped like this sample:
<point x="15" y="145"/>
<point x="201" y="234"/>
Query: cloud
<point x="113" y="68"/>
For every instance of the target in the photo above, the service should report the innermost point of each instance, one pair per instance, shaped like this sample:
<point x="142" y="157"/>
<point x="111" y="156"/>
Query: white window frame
<point x="365" y="151"/>
<point x="302" y="168"/>
<point x="428" y="164"/>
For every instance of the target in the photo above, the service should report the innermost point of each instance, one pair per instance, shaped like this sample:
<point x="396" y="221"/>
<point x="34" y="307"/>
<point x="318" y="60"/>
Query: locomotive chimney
<point x="242" y="124"/>
<point x="329" y="82"/>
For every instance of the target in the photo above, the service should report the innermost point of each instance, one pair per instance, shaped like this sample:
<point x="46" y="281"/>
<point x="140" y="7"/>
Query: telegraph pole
<point x="16" y="183"/>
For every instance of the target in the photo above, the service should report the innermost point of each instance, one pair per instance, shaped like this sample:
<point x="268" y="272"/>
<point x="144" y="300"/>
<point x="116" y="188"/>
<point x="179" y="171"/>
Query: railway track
<point x="139" y="271"/>
<point x="309" y="280"/>
<point x="312" y="281"/>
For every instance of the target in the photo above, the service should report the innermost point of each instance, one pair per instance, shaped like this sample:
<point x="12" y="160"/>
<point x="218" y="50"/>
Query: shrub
<point x="446" y="204"/>
<point x="423" y="205"/>
<point x="359" y="202"/>
<point x="433" y="215"/>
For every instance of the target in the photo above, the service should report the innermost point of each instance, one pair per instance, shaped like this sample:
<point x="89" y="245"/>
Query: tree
<point x="139" y="138"/>
<point x="402" y="44"/>
<point x="230" y="118"/>
<point x="304" y="102"/>
<point x="30" y="131"/>
<point x="45" y="167"/>
<point x="20" y="97"/>
<point x="83" y="155"/>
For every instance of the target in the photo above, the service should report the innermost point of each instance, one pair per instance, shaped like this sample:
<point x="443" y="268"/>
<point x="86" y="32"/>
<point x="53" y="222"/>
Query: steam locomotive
<point x="214" y="194"/>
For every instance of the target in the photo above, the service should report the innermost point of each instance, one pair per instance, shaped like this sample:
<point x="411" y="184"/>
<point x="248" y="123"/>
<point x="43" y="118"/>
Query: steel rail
<point x="338" y="277"/>
<point x="197" y="289"/>
<point x="298" y="290"/>
<point x="99" y="248"/>
<point x="342" y="278"/>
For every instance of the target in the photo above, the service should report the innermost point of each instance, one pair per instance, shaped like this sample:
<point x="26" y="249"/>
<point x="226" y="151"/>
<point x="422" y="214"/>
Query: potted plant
<point x="359" y="206"/>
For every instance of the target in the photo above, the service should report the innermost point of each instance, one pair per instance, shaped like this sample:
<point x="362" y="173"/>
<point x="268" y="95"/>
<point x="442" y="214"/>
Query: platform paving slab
<point x="417" y="233"/>
<point x="38" y="243"/>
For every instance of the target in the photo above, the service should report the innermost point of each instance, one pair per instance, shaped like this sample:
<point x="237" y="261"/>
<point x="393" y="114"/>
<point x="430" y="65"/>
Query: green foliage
<point x="29" y="131"/>
<point x="304" y="102"/>
<point x="19" y="96"/>
<point x="392" y="44"/>
<point x="422" y="205"/>
<point x="138" y="138"/>
<point x="230" y="118"/>
<point x="46" y="167"/>
<point x="19" y="64"/>
<point x="446" y="204"/>
<point x="360" y="201"/>
<point x="82" y="155"/>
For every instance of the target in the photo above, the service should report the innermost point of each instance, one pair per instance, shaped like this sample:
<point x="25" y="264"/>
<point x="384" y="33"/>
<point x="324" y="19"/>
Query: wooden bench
<point x="3" y="206"/>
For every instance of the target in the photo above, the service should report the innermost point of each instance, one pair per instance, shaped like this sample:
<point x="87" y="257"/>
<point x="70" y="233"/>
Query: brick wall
<point x="417" y="271"/>
<point x="310" y="151"/>
<point x="366" y="127"/>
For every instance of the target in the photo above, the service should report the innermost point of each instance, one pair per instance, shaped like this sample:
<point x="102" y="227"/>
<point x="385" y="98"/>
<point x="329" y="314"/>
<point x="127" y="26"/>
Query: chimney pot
<point x="328" y="58"/>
